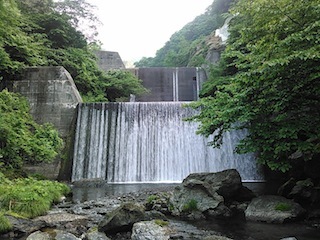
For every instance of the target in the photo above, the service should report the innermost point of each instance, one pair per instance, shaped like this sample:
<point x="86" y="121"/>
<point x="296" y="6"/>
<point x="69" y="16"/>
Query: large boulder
<point x="305" y="192"/>
<point x="148" y="230"/>
<point x="95" y="235"/>
<point x="215" y="237"/>
<point x="122" y="218"/>
<point x="38" y="235"/>
<point x="54" y="235"/>
<point x="22" y="227"/>
<point x="62" y="235"/>
<point x="226" y="183"/>
<point x="209" y="194"/>
<point x="72" y="223"/>
<point x="273" y="209"/>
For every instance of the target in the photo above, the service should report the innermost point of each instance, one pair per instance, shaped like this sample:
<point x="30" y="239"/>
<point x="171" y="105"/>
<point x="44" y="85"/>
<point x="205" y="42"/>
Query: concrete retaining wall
<point x="53" y="98"/>
<point x="108" y="60"/>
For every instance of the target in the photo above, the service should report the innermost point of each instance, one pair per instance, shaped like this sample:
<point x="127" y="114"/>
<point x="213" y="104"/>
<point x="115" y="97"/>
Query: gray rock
<point x="289" y="238"/>
<point x="208" y="193"/>
<point x="183" y="230"/>
<point x="38" y="235"/>
<point x="149" y="230"/>
<point x="151" y="215"/>
<point x="26" y="226"/>
<point x="122" y="218"/>
<point x="61" y="218"/>
<point x="226" y="183"/>
<point x="286" y="188"/>
<point x="62" y="235"/>
<point x="304" y="192"/>
<point x="183" y="198"/>
<point x="95" y="235"/>
<point x="215" y="237"/>
<point x="72" y="223"/>
<point x="273" y="209"/>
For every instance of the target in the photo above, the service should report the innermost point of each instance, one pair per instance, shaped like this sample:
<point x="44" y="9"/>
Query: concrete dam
<point x="149" y="142"/>
<point x="142" y="141"/>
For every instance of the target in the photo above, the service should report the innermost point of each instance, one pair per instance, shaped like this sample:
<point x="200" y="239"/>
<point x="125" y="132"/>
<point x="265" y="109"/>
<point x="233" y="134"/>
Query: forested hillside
<point x="268" y="82"/>
<point x="181" y="49"/>
<point x="47" y="33"/>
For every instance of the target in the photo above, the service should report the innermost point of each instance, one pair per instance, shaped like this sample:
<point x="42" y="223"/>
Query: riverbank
<point x="82" y="213"/>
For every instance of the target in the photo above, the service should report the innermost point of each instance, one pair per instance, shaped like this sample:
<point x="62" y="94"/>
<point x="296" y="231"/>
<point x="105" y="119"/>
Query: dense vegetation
<point x="268" y="82"/>
<point x="183" y="47"/>
<point x="21" y="139"/>
<point x="44" y="33"/>
<point x="27" y="198"/>
<point x="47" y="33"/>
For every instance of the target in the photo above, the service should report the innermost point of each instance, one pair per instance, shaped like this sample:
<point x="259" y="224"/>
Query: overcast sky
<point x="138" y="28"/>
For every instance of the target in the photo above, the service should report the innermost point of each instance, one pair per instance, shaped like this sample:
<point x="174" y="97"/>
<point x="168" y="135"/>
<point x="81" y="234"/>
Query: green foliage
<point x="94" y="84"/>
<point x="283" y="207"/>
<point x="191" y="205"/>
<point x="17" y="49"/>
<point x="29" y="197"/>
<point x="161" y="222"/>
<point x="120" y="84"/>
<point x="268" y="82"/>
<point x="152" y="198"/>
<point x="81" y="16"/>
<point x="183" y="47"/>
<point x="5" y="225"/>
<point x="21" y="139"/>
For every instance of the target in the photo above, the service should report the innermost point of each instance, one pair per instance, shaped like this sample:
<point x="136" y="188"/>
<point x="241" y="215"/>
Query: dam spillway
<point x="149" y="142"/>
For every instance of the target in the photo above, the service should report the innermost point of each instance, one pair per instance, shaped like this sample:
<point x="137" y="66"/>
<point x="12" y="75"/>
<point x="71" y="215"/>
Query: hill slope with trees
<point x="268" y="82"/>
<point x="181" y="49"/>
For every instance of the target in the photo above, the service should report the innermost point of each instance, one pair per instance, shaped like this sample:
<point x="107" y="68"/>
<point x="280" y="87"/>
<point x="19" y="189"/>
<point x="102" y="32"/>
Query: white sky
<point x="138" y="28"/>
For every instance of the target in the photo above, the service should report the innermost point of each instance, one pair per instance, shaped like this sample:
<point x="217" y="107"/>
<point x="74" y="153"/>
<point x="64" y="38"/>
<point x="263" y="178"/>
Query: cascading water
<point x="149" y="142"/>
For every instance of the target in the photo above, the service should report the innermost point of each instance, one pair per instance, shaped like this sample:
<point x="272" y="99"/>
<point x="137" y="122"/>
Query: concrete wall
<point x="108" y="60"/>
<point x="53" y="98"/>
<point x="170" y="84"/>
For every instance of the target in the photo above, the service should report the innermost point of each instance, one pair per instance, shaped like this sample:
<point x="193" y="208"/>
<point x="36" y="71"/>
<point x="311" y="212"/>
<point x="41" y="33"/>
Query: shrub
<point x="283" y="207"/>
<point x="151" y="199"/>
<point x="161" y="222"/>
<point x="5" y="225"/>
<point x="21" y="138"/>
<point x="29" y="197"/>
<point x="192" y="205"/>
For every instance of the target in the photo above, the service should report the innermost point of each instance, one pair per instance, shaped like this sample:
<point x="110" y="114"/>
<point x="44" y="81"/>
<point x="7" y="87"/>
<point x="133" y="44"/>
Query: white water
<point x="149" y="142"/>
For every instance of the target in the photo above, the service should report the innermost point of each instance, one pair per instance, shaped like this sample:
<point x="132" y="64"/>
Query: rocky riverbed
<point x="193" y="210"/>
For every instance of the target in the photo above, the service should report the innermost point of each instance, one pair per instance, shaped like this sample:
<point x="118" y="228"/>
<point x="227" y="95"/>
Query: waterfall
<point x="149" y="142"/>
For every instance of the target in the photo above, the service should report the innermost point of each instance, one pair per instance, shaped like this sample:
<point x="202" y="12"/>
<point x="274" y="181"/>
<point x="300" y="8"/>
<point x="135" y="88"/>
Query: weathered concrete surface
<point x="108" y="60"/>
<point x="170" y="84"/>
<point x="53" y="98"/>
<point x="52" y="95"/>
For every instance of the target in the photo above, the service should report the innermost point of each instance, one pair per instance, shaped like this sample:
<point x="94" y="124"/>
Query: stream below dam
<point x="235" y="228"/>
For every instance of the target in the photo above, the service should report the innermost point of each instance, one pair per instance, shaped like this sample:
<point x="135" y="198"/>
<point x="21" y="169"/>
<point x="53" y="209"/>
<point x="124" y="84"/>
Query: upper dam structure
<point x="167" y="84"/>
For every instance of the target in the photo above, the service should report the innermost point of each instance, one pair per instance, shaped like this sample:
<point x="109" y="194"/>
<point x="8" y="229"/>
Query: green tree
<point x="17" y="49"/>
<point x="120" y="84"/>
<point x="268" y="82"/>
<point x="21" y="139"/>
<point x="81" y="16"/>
